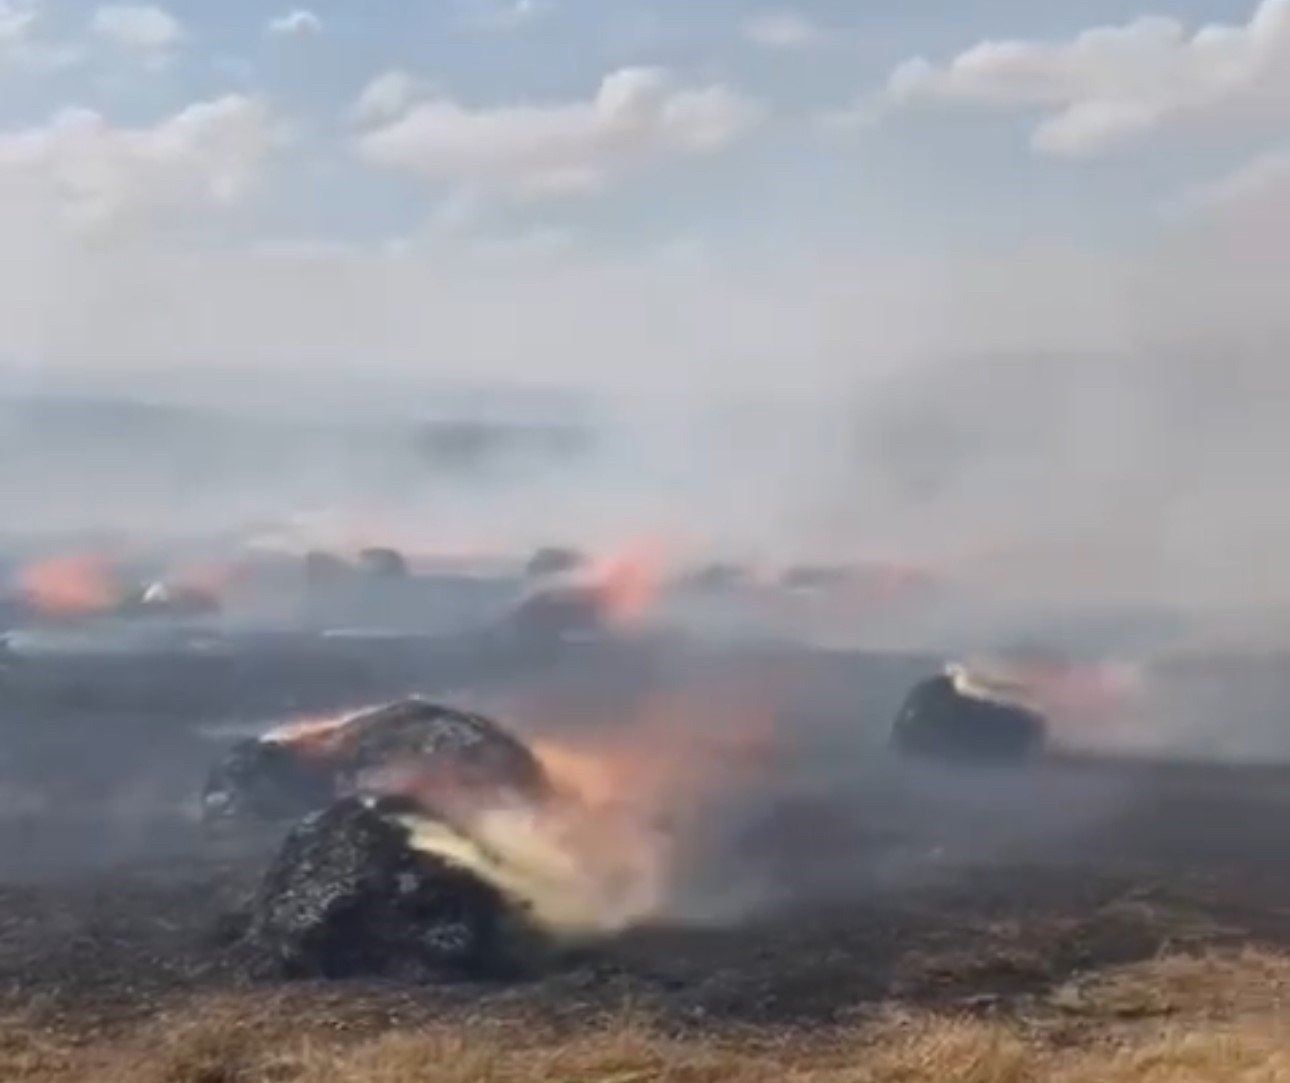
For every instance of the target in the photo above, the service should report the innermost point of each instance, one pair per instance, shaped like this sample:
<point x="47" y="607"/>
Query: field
<point x="847" y="918"/>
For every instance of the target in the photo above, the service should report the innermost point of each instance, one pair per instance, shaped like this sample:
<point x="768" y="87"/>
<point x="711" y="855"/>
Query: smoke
<point x="1079" y="447"/>
<point x="1142" y="470"/>
<point x="1051" y="429"/>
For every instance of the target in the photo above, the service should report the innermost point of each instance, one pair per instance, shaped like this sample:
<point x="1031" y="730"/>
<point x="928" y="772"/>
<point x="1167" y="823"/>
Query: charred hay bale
<point x="166" y="600"/>
<point x="458" y="749"/>
<point x="554" y="560"/>
<point x="715" y="578"/>
<point x="552" y="615"/>
<point x="815" y="577"/>
<point x="259" y="780"/>
<point x="323" y="569"/>
<point x="453" y="754"/>
<point x="346" y="896"/>
<point x="938" y="721"/>
<point x="383" y="563"/>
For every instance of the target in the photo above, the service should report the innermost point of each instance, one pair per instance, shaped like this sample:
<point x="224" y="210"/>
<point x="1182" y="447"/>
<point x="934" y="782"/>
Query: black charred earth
<point x="842" y="876"/>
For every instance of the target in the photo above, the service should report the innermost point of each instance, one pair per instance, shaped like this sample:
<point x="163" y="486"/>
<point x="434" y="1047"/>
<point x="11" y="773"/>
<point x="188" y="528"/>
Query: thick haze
<point x="1001" y="291"/>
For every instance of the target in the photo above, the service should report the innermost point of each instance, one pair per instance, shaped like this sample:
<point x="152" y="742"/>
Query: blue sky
<point x="740" y="155"/>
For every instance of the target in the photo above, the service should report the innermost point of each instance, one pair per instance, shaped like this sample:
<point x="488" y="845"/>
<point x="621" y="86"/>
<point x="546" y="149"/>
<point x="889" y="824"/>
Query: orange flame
<point x="1083" y="691"/>
<point x="319" y="736"/>
<point x="607" y="848"/>
<point x="627" y="586"/>
<point x="1071" y="692"/>
<point x="632" y="788"/>
<point x="70" y="585"/>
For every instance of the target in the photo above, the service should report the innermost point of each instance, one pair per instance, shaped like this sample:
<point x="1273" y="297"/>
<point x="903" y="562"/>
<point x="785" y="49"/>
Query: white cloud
<point x="506" y="15"/>
<point x="782" y="30"/>
<point x="386" y="96"/>
<point x="143" y="27"/>
<point x="295" y="23"/>
<point x="1111" y="84"/>
<point x="637" y="116"/>
<point x="78" y="170"/>
<point x="20" y="45"/>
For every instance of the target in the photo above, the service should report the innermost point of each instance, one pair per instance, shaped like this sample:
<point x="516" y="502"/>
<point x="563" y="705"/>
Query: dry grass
<point x="1217" y="1018"/>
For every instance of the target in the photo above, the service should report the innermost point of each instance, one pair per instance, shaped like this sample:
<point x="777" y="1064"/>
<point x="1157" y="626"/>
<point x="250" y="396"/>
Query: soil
<point x="835" y="881"/>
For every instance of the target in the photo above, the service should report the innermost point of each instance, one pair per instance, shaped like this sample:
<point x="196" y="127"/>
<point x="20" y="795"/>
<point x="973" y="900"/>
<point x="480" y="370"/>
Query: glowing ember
<point x="317" y="736"/>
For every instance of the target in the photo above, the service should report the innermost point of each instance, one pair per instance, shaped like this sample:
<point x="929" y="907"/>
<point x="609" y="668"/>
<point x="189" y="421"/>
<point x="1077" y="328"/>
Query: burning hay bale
<point x="557" y="613"/>
<point x="171" y="600"/>
<point x="454" y="756"/>
<point x="583" y="604"/>
<point x="964" y="715"/>
<point x="264" y="780"/>
<point x="552" y="560"/>
<point x="348" y="896"/>
<point x="438" y="845"/>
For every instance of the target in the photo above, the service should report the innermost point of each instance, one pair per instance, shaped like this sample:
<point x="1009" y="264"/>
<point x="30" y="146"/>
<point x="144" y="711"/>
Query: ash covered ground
<point x="818" y="872"/>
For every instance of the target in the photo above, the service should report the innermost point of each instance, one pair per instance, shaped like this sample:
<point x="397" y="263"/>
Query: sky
<point x="635" y="194"/>
<point x="1004" y="279"/>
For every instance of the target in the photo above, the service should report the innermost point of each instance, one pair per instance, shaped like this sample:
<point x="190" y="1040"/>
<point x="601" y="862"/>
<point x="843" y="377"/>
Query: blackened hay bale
<point x="348" y="897"/>
<point x="263" y="781"/>
<point x="382" y="562"/>
<point x="937" y="721"/>
<point x="453" y="752"/>
<point x="548" y="617"/>
<point x="325" y="570"/>
<point x="550" y="560"/>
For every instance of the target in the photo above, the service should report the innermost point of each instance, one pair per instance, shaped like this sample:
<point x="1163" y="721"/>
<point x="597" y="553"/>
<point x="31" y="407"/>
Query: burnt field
<point x="824" y="885"/>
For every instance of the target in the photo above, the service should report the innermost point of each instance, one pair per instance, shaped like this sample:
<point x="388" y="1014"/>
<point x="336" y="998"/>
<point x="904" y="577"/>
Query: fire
<point x="626" y="586"/>
<point x="607" y="846"/>
<point x="632" y="790"/>
<point x="313" y="736"/>
<point x="606" y="851"/>
<point x="70" y="585"/>
<point x="1056" y="689"/>
<point x="1085" y="691"/>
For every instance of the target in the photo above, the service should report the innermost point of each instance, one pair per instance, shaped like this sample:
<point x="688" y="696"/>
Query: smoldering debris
<point x="347" y="896"/>
<point x="554" y="560"/>
<point x="291" y="770"/>
<point x="715" y="577"/>
<point x="455" y="820"/>
<point x="948" y="716"/>
<point x="826" y="822"/>
<point x="556" y="613"/>
<point x="687" y="791"/>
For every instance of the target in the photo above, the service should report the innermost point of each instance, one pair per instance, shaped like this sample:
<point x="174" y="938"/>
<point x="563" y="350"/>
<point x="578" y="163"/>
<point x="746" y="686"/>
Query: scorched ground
<point x="822" y="879"/>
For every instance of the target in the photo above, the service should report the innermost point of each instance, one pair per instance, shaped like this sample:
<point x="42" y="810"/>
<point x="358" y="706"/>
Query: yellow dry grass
<point x="1215" y="1018"/>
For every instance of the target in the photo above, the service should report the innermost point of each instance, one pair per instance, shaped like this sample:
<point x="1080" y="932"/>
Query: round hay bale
<point x="938" y="721"/>
<point x="444" y="752"/>
<point x="347" y="897"/>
